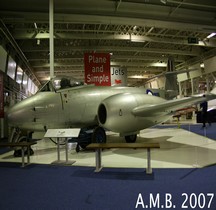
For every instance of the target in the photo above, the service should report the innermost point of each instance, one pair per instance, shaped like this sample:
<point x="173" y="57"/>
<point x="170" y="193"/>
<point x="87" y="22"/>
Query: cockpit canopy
<point x="60" y="82"/>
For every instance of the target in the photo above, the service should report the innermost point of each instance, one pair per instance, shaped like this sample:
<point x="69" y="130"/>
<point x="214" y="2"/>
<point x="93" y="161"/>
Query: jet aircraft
<point x="125" y="110"/>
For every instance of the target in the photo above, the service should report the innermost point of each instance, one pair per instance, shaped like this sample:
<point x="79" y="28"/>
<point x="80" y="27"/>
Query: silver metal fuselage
<point x="72" y="107"/>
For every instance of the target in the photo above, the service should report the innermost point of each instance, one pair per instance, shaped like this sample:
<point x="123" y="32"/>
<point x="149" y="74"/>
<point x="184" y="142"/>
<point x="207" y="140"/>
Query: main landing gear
<point x="131" y="138"/>
<point x="88" y="136"/>
<point x="99" y="135"/>
<point x="96" y="135"/>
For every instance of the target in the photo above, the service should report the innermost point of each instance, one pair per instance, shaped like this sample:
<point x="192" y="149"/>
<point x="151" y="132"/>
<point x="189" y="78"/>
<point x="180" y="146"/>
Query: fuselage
<point x="66" y="108"/>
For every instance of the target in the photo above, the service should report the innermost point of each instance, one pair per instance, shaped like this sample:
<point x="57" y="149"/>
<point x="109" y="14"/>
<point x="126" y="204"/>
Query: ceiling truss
<point x="140" y="35"/>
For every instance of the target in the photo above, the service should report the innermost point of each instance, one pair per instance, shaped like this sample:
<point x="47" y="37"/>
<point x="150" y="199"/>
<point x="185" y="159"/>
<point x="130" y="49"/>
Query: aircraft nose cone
<point x="19" y="114"/>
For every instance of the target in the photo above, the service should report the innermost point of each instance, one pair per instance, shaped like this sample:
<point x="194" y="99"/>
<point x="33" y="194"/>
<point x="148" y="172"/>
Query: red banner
<point x="1" y="95"/>
<point x="97" y="69"/>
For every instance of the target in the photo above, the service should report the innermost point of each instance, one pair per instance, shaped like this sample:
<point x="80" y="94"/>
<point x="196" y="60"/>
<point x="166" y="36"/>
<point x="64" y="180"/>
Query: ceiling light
<point x="35" y="25"/>
<point x="163" y="1"/>
<point x="211" y="35"/>
<point x="138" y="77"/>
<point x="136" y="38"/>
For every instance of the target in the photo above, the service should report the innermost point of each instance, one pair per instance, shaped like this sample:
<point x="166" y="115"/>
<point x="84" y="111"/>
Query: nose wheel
<point x="18" y="152"/>
<point x="18" y="137"/>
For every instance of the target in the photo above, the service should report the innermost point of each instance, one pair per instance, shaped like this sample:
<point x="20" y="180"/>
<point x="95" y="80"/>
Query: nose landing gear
<point x="18" y="152"/>
<point x="18" y="136"/>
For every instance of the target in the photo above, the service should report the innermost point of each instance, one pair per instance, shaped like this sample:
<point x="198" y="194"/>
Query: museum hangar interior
<point x="164" y="48"/>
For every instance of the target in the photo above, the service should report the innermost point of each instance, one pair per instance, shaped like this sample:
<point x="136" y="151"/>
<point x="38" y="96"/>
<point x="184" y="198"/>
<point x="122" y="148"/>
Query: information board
<point x="97" y="69"/>
<point x="118" y="76"/>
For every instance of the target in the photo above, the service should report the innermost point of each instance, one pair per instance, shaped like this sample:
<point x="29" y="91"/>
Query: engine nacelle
<point x="115" y="113"/>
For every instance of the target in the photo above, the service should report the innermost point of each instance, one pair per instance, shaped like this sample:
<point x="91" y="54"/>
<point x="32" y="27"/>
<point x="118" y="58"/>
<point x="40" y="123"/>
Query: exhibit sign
<point x="1" y="95"/>
<point x="97" y="69"/>
<point x="118" y="76"/>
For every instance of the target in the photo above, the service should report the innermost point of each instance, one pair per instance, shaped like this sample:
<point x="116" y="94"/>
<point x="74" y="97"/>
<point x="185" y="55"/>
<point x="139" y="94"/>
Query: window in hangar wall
<point x="34" y="88"/>
<point x="25" y="82"/>
<point x="11" y="68"/>
<point x="3" y="59"/>
<point x="29" y="85"/>
<point x="19" y="75"/>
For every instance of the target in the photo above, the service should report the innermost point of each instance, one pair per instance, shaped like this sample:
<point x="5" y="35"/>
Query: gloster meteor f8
<point x="124" y="110"/>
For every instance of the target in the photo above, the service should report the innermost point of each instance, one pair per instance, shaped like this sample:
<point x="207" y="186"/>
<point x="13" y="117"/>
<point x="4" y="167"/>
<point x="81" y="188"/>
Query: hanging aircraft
<point x="65" y="104"/>
<point x="171" y="88"/>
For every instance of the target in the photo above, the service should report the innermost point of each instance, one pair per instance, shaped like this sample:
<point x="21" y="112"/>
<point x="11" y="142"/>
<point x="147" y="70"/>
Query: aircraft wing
<point x="169" y="107"/>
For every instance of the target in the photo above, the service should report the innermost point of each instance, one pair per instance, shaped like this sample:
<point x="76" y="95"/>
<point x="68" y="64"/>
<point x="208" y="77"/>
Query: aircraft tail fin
<point x="171" y="84"/>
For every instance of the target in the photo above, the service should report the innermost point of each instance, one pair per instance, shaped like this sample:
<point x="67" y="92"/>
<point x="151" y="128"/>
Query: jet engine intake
<point x="102" y="114"/>
<point x="115" y="113"/>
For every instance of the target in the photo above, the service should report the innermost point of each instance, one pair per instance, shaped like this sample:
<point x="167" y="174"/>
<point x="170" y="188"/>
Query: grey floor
<point x="179" y="149"/>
